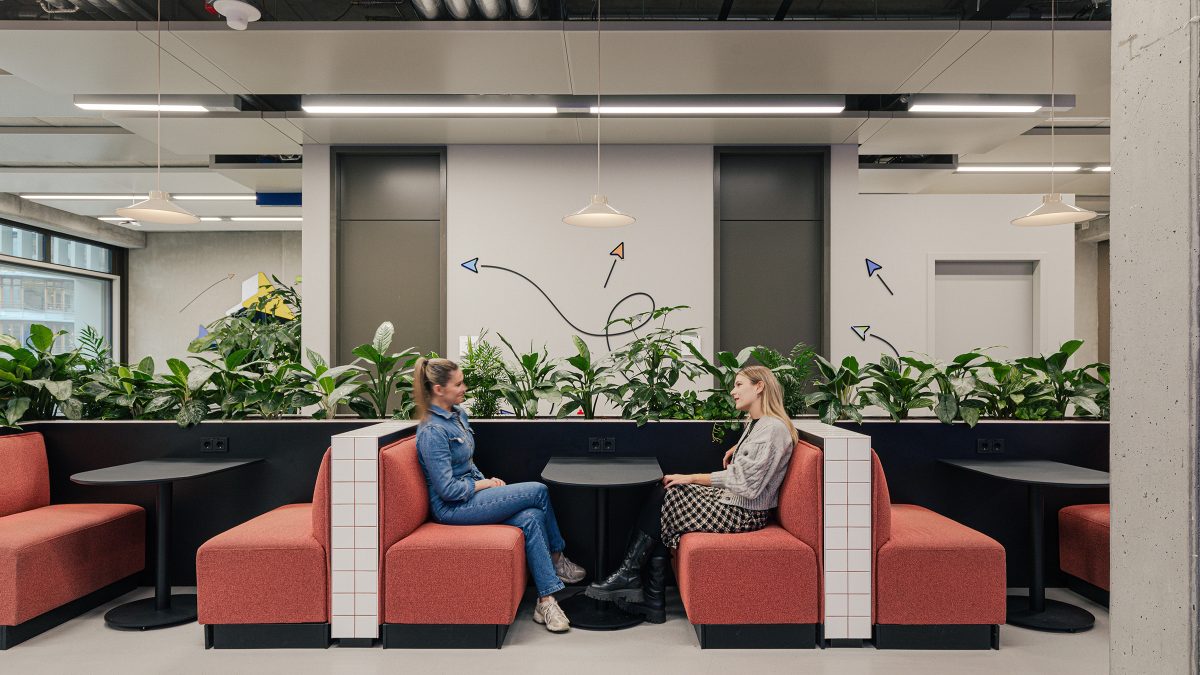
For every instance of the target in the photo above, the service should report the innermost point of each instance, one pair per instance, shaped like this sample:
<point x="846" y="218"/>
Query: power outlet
<point x="989" y="446"/>
<point x="610" y="444"/>
<point x="595" y="444"/>
<point x="214" y="444"/>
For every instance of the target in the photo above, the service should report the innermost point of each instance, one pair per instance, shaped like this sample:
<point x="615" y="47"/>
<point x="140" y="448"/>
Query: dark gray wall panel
<point x="390" y="187"/>
<point x="771" y="283"/>
<point x="389" y="270"/>
<point x="772" y="187"/>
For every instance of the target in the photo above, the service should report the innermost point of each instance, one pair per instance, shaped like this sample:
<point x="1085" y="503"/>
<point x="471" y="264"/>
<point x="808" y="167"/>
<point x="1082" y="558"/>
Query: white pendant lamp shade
<point x="1054" y="211"/>
<point x="238" y="14"/>
<point x="159" y="209"/>
<point x="599" y="213"/>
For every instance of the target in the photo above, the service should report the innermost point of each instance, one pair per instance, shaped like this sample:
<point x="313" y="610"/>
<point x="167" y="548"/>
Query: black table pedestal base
<point x="1057" y="617"/>
<point x="142" y="614"/>
<point x="588" y="614"/>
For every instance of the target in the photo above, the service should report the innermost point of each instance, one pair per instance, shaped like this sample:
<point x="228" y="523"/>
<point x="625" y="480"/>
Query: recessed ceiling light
<point x="266" y="219"/>
<point x="428" y="110"/>
<point x="210" y="219"/>
<point x="86" y="197"/>
<point x="972" y="108"/>
<point x="982" y="168"/>
<point x="142" y="107"/>
<point x="217" y="198"/>
<point x="717" y="109"/>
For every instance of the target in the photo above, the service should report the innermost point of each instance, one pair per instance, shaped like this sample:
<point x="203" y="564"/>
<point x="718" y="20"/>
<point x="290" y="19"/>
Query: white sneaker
<point x="551" y="615"/>
<point x="569" y="572"/>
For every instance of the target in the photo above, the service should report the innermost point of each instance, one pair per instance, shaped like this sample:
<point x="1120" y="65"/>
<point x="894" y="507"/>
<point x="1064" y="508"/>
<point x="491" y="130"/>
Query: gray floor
<point x="86" y="645"/>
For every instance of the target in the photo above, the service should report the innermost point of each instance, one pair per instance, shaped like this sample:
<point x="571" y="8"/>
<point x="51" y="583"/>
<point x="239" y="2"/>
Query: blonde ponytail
<point x="426" y="373"/>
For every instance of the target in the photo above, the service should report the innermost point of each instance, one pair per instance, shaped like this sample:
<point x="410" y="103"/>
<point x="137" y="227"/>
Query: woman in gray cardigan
<point x="736" y="499"/>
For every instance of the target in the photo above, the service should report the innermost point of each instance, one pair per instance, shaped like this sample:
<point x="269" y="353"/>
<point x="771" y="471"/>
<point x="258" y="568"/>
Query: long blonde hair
<point x="772" y="395"/>
<point x="426" y="373"/>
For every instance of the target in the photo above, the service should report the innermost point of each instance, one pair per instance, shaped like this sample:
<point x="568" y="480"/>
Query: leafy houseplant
<point x="586" y="384"/>
<point x="39" y="383"/>
<point x="957" y="387"/>
<point x="388" y="374"/>
<point x="483" y="366"/>
<point x="836" y="396"/>
<point x="652" y="365"/>
<point x="534" y="380"/>
<point x="794" y="380"/>
<point x="181" y="389"/>
<point x="897" y="387"/>
<point x="270" y="339"/>
<point x="1066" y="385"/>
<point x="1013" y="391"/>
<point x="324" y="386"/>
<point x="123" y="392"/>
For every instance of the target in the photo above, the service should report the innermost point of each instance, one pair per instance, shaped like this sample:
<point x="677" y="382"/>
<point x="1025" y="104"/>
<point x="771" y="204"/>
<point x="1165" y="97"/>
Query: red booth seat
<point x="1083" y="546"/>
<point x="442" y="585"/>
<point x="57" y="561"/>
<point x="264" y="583"/>
<point x="938" y="583"/>
<point x="769" y="578"/>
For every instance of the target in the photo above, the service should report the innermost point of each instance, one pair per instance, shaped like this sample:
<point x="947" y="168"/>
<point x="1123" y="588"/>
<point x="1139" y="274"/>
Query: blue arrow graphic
<point x="872" y="267"/>
<point x="472" y="264"/>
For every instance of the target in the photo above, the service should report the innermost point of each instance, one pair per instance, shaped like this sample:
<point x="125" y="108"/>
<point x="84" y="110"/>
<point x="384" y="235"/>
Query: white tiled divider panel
<point x="354" y="525"/>
<point x="847" y="554"/>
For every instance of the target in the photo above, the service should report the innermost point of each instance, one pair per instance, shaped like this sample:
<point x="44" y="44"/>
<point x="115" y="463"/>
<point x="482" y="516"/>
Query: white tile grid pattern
<point x="354" y="530"/>
<point x="847" y="538"/>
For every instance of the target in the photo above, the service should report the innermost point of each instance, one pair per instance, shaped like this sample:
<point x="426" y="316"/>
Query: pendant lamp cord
<point x="1053" y="16"/>
<point x="597" y="96"/>
<point x="158" y="106"/>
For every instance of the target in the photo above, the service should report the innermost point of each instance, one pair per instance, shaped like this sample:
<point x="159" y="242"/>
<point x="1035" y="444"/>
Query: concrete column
<point x="1155" y="225"/>
<point x="317" y="253"/>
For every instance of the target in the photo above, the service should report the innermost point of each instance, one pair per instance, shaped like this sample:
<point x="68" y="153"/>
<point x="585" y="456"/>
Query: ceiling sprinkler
<point x="238" y="13"/>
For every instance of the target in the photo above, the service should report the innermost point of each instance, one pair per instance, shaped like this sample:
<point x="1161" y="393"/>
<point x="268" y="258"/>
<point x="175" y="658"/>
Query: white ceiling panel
<point x="973" y="183"/>
<point x="766" y="130"/>
<point x="951" y="51"/>
<point x="897" y="181"/>
<point x="436" y="130"/>
<point x="220" y="227"/>
<point x="19" y="98"/>
<point x="953" y="135"/>
<point x="75" y="145"/>
<point x="85" y="180"/>
<point x="1018" y="62"/>
<point x="101" y="57"/>
<point x="215" y="133"/>
<point x="269" y="178"/>
<point x="1089" y="148"/>
<point x="417" y="57"/>
<point x="108" y="207"/>
<point x="758" y="58"/>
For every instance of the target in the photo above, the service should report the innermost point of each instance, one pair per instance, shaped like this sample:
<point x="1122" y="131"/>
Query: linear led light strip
<point x="551" y="110"/>
<point x="115" y="197"/>
<point x="119" y="219"/>
<point x="980" y="168"/>
<point x="972" y="108"/>
<point x="142" y="107"/>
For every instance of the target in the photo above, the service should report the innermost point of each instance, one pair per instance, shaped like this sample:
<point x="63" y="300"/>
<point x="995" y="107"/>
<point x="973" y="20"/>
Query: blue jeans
<point x="524" y="505"/>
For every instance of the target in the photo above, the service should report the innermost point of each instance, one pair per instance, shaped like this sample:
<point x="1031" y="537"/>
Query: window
<point x="80" y="254"/>
<point x="22" y="243"/>
<point x="57" y="300"/>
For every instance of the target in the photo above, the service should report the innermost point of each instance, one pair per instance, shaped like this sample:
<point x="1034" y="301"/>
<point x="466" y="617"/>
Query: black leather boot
<point x="653" y="607"/>
<point x="626" y="582"/>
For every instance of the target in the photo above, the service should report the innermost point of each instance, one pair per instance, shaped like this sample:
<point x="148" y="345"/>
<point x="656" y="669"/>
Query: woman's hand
<point x="487" y="483"/>
<point x="673" y="479"/>
<point x="728" y="457"/>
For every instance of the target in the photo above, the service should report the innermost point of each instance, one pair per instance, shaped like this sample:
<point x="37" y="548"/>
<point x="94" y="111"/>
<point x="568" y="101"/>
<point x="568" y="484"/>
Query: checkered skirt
<point x="698" y="508"/>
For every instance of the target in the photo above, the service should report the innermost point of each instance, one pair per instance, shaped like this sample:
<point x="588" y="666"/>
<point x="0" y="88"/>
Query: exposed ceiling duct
<point x="524" y="9"/>
<point x="490" y="9"/>
<point x="428" y="9"/>
<point x="459" y="9"/>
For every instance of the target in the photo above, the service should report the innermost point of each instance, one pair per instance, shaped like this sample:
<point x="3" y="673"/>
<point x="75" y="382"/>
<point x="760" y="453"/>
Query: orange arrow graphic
<point x="619" y="251"/>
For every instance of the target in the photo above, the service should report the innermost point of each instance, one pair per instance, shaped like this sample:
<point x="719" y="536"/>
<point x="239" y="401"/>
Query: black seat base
<point x="938" y="636"/>
<point x="266" y="636"/>
<point x="443" y="636"/>
<point x="757" y="636"/>
<point x="15" y="635"/>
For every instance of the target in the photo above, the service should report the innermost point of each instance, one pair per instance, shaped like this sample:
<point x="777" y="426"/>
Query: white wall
<point x="176" y="266"/>
<point x="904" y="234"/>
<point x="506" y="204"/>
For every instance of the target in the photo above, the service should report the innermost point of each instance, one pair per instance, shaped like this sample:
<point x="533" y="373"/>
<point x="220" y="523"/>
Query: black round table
<point x="600" y="474"/>
<point x="164" y="609"/>
<point x="1035" y="611"/>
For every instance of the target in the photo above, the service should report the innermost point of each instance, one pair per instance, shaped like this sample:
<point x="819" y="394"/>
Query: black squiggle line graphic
<point x="607" y="335"/>
<point x="887" y="343"/>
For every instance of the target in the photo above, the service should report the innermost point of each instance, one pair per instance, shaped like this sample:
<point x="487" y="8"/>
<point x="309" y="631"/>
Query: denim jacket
<point x="445" y="445"/>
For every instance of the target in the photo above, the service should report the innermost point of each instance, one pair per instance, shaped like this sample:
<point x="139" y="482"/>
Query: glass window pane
<point x="79" y="254"/>
<point x="57" y="300"/>
<point x="20" y="243"/>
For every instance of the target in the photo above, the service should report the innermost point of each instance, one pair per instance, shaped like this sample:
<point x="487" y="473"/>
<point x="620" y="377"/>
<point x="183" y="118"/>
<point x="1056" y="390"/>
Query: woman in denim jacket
<point x="459" y="494"/>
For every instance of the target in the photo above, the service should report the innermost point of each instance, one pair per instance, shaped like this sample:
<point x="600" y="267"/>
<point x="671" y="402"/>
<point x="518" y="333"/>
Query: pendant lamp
<point x="598" y="212"/>
<point x="1053" y="210"/>
<point x="159" y="208"/>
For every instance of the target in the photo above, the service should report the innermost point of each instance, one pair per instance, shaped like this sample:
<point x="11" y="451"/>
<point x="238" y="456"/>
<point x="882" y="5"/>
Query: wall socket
<point x="214" y="444"/>
<point x="602" y="444"/>
<point x="989" y="446"/>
